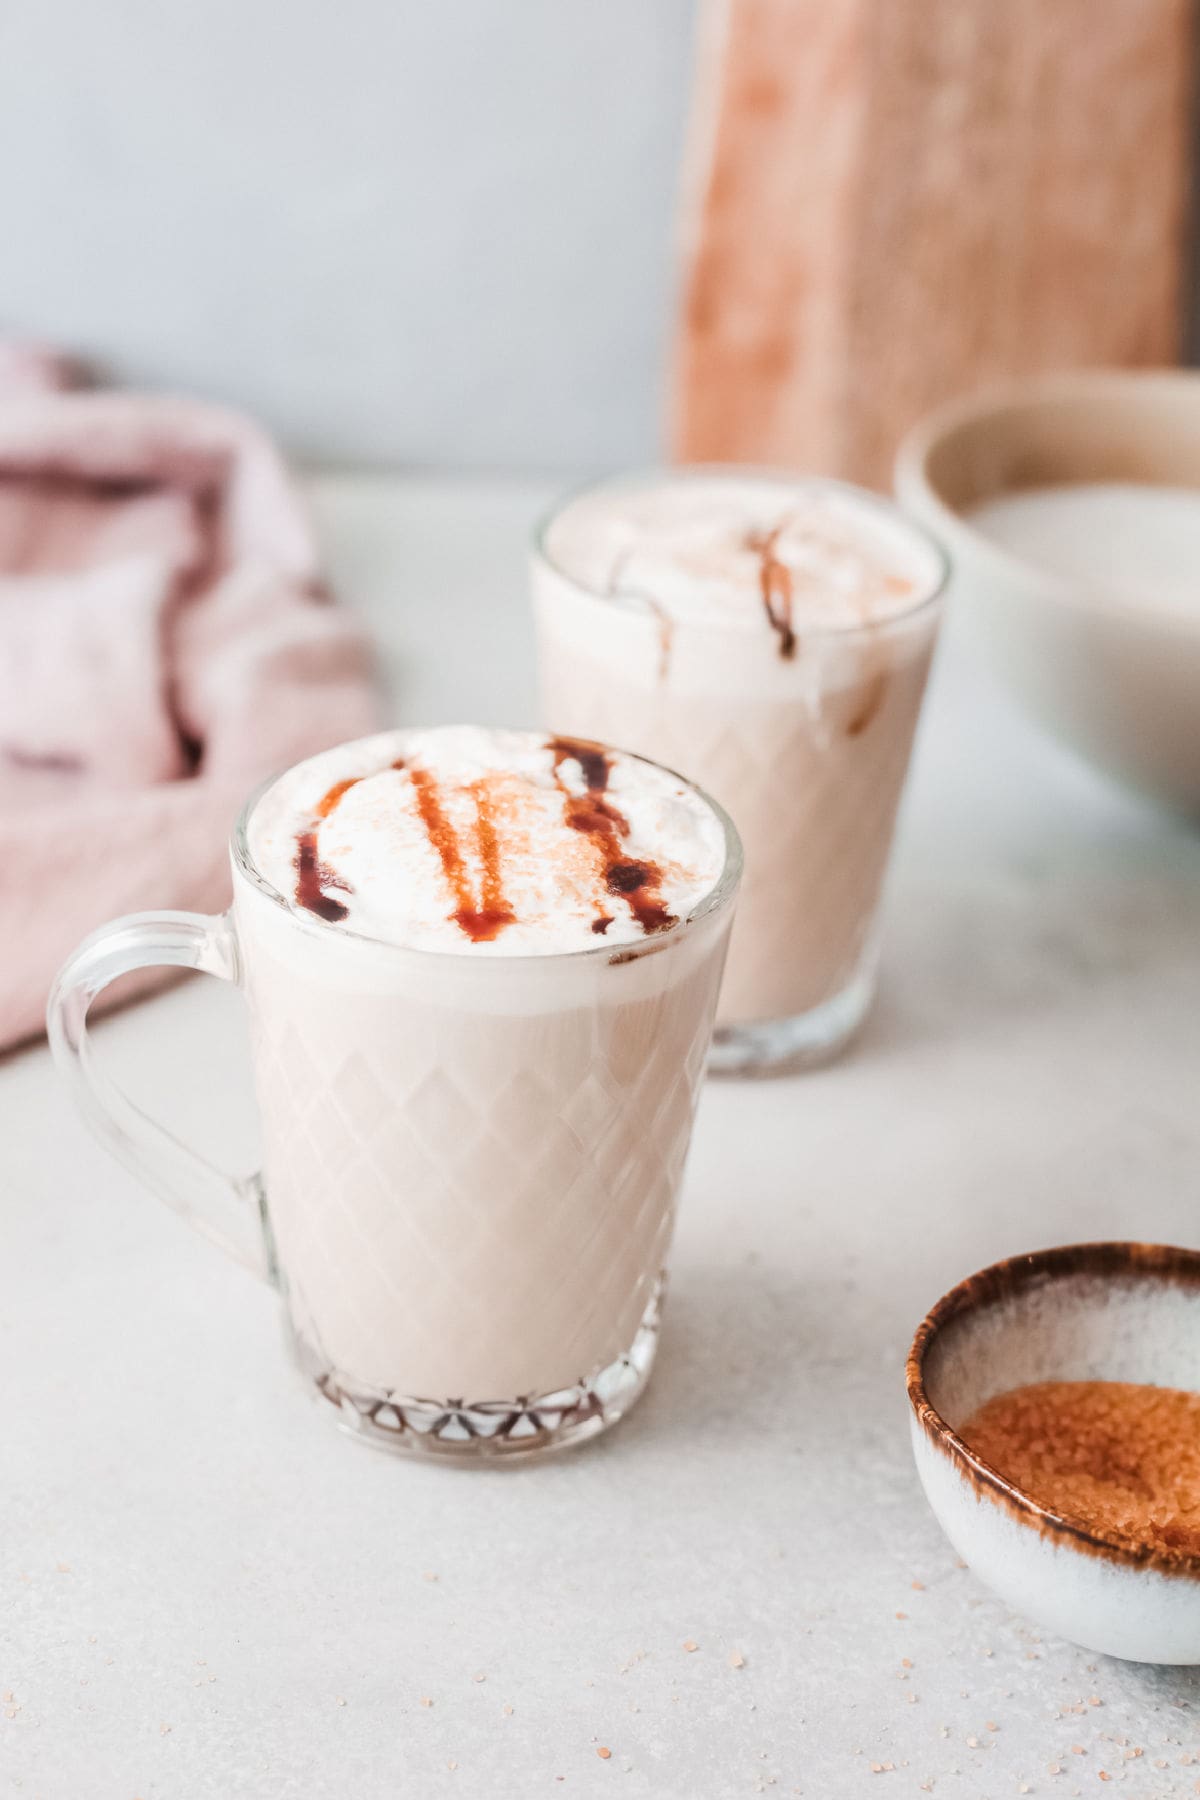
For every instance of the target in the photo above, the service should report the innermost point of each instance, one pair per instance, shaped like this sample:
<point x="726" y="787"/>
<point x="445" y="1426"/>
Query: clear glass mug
<point x="808" y="750"/>
<point x="470" y="1165"/>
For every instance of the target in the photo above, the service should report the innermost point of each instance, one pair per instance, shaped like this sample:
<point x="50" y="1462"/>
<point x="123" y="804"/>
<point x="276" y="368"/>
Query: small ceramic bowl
<point x="1085" y="1312"/>
<point x="1116" y="681"/>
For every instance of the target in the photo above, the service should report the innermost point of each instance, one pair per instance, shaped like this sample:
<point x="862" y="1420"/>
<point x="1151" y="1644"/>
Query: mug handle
<point x="229" y="1209"/>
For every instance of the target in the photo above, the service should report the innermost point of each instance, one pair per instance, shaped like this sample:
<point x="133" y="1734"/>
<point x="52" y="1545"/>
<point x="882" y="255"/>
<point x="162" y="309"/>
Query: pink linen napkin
<point x="165" y="643"/>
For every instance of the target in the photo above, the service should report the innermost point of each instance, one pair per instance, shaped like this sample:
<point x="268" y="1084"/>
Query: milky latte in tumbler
<point x="482" y="967"/>
<point x="770" y="637"/>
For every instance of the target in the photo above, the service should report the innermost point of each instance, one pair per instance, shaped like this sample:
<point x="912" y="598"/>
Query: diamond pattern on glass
<point x="456" y="1429"/>
<point x="479" y="1206"/>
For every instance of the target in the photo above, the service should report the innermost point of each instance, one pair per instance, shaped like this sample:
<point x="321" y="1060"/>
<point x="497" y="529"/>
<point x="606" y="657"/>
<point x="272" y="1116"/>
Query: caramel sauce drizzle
<point x="485" y="921"/>
<point x="313" y="878"/>
<point x="480" y="923"/>
<point x="483" y="918"/>
<point x="636" y="882"/>
<point x="778" y="594"/>
<point x="775" y="584"/>
<point x="326" y="805"/>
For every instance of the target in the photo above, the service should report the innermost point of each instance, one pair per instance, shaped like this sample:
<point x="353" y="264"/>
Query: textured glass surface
<point x="524" y="1426"/>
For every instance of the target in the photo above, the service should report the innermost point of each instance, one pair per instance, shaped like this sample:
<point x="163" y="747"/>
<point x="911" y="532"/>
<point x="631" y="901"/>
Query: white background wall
<point x="437" y="232"/>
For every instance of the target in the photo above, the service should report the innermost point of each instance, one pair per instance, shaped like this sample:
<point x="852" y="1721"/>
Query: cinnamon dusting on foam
<point x="505" y="840"/>
<point x="712" y="548"/>
<point x="481" y="922"/>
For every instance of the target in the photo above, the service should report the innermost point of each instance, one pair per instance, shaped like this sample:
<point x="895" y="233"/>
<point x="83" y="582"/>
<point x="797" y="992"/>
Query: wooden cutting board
<point x="893" y="201"/>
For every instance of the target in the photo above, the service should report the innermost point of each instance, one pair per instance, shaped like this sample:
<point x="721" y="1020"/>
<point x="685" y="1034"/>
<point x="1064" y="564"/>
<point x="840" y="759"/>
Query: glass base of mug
<point x="805" y="1041"/>
<point x="483" y="1432"/>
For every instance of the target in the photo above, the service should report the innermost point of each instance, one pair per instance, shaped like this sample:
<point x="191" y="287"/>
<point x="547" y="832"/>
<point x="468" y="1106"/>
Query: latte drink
<point x="482" y="968"/>
<point x="771" y="637"/>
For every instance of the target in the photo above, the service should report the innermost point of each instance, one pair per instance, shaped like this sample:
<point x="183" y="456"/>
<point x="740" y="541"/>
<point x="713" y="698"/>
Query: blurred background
<point x="464" y="235"/>
<point x="437" y="235"/>
<point x="534" y="241"/>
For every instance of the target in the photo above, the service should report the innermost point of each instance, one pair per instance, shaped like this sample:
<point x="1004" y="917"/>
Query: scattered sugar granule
<point x="736" y="1660"/>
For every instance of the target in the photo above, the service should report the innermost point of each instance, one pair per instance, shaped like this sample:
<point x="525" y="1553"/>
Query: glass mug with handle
<point x="472" y="1146"/>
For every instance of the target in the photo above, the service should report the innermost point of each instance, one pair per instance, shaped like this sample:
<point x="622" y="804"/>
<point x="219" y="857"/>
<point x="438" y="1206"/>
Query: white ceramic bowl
<point x="1119" y="683"/>
<point x="1086" y="1312"/>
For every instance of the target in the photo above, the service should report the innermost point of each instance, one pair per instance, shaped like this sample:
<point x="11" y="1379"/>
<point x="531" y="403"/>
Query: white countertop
<point x="206" y="1591"/>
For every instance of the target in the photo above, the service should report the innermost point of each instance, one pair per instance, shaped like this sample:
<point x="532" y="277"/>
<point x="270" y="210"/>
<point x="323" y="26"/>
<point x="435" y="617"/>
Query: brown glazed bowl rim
<point x="1164" y="1263"/>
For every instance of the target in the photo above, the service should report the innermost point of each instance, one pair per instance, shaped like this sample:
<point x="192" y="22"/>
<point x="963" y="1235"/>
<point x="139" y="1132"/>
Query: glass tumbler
<point x="807" y="749"/>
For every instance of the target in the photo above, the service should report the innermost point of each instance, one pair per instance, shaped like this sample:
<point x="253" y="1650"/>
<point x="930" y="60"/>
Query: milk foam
<point x="460" y="839"/>
<point x="693" y="546"/>
<point x="1131" y="542"/>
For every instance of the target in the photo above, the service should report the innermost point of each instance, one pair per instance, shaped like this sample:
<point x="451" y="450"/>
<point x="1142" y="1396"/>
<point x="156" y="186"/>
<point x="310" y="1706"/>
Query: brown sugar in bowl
<point x="1083" y="1312"/>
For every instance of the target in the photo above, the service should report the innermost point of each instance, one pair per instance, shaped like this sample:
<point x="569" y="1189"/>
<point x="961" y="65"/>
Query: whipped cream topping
<point x="487" y="841"/>
<point x="723" y="549"/>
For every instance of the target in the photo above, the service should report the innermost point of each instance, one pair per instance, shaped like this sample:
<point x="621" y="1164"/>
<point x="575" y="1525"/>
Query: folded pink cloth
<point x="165" y="643"/>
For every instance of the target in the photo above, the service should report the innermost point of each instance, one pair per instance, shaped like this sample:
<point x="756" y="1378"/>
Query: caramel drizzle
<point x="312" y="880"/>
<point x="775" y="584"/>
<point x="326" y="805"/>
<point x="313" y="877"/>
<point x="636" y="881"/>
<point x="628" y="878"/>
<point x="485" y="921"/>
